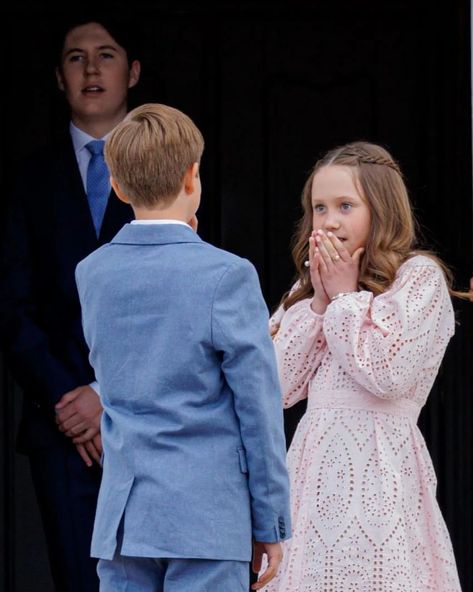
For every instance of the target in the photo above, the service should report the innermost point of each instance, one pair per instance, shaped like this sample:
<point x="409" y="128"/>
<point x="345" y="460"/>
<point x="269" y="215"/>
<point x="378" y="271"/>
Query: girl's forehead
<point x="335" y="180"/>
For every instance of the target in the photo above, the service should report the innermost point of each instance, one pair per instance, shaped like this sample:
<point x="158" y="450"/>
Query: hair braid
<point x="364" y="158"/>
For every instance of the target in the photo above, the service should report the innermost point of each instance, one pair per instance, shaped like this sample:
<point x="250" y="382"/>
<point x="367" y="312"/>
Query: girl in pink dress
<point x="362" y="334"/>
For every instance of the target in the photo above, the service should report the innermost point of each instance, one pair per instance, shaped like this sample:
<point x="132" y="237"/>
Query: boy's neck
<point x="162" y="214"/>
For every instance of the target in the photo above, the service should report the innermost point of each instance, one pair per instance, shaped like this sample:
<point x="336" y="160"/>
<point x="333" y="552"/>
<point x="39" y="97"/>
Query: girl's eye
<point x="346" y="206"/>
<point x="318" y="208"/>
<point x="107" y="56"/>
<point x="75" y="57"/>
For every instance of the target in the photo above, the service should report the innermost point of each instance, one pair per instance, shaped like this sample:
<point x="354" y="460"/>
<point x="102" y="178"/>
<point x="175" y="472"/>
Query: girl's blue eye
<point x="319" y="208"/>
<point x="346" y="206"/>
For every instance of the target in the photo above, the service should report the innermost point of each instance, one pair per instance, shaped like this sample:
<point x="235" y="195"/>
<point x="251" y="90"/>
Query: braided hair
<point x="392" y="236"/>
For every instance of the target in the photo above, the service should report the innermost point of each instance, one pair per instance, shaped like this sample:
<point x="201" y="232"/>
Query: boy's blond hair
<point x="149" y="152"/>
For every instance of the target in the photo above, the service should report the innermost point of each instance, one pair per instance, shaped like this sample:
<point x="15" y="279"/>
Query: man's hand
<point x="78" y="414"/>
<point x="274" y="553"/>
<point x="91" y="450"/>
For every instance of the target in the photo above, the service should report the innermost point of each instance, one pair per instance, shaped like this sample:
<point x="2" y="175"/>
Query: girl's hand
<point x="320" y="300"/>
<point x="338" y="269"/>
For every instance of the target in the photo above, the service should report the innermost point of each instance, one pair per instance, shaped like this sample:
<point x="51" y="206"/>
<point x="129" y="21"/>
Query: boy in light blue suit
<point x="194" y="451"/>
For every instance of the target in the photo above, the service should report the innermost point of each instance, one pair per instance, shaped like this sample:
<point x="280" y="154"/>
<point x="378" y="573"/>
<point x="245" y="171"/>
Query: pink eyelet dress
<point x="364" y="512"/>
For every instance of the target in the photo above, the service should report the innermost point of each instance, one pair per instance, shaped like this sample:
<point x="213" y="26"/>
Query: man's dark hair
<point x="122" y="30"/>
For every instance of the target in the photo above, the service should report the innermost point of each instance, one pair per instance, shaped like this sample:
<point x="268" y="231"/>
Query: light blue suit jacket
<point x="194" y="449"/>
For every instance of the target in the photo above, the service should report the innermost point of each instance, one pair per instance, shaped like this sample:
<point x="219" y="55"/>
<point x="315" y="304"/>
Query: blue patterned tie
<point x="98" y="187"/>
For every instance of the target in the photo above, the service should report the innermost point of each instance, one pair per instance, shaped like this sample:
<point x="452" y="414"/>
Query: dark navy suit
<point x="49" y="229"/>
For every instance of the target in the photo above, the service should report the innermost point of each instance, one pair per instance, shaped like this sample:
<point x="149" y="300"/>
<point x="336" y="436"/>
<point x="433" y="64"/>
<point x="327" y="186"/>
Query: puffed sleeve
<point x="300" y="347"/>
<point x="389" y="343"/>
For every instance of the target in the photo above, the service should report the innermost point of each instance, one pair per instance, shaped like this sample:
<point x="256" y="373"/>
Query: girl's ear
<point x="118" y="190"/>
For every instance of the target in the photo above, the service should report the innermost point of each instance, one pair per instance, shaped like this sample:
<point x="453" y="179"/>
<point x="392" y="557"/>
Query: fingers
<point x="92" y="451"/>
<point x="65" y="413"/>
<point x="314" y="262"/>
<point x="75" y="431"/>
<point x="312" y="247"/>
<point x="338" y="246"/>
<point x="268" y="574"/>
<point x="266" y="577"/>
<point x="257" y="558"/>
<point x="357" y="255"/>
<point x="85" y="436"/>
<point x="97" y="440"/>
<point x="85" y="408"/>
<point x="333" y="250"/>
<point x="67" y="398"/>
<point x="83" y="454"/>
<point x="323" y="256"/>
<point x="327" y="249"/>
<point x="74" y="425"/>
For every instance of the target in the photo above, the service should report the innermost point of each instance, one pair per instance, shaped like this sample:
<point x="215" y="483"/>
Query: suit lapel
<point x="116" y="215"/>
<point x="74" y="206"/>
<point x="71" y="199"/>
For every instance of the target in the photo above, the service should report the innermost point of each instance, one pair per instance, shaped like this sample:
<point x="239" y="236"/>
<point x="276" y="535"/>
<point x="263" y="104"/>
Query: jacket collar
<point x="155" y="234"/>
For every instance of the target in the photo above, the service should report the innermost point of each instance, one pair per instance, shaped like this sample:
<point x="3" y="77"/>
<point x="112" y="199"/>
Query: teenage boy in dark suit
<point x="62" y="208"/>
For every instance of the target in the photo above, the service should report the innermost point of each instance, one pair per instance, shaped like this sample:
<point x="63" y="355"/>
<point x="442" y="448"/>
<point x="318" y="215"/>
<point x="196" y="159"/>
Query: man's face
<point x="95" y="74"/>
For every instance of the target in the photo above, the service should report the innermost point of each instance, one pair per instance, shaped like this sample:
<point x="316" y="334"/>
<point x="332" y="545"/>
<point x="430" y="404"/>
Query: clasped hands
<point x="333" y="270"/>
<point x="78" y="416"/>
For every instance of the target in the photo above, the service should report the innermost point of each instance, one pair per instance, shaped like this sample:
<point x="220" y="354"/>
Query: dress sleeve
<point x="387" y="343"/>
<point x="275" y="321"/>
<point x="300" y="346"/>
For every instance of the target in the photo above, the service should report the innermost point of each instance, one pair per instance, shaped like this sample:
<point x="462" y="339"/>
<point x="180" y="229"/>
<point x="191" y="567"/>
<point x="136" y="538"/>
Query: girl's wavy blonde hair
<point x="392" y="235"/>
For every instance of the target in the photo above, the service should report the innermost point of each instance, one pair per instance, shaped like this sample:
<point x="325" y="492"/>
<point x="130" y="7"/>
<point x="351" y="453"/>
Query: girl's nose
<point x="331" y="223"/>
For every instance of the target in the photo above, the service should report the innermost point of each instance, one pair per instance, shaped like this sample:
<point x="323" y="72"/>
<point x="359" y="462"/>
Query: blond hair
<point x="149" y="152"/>
<point x="392" y="235"/>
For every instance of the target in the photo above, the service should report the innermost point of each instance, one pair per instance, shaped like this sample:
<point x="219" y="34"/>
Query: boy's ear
<point x="135" y="70"/>
<point x="118" y="190"/>
<point x="60" y="81"/>
<point x="190" y="176"/>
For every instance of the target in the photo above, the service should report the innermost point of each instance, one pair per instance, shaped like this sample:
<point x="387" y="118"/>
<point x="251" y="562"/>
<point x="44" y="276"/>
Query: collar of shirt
<point x="79" y="140"/>
<point x="159" y="222"/>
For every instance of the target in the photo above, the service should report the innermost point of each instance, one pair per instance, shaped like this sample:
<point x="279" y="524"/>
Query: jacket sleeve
<point x="300" y="346"/>
<point x="240" y="333"/>
<point x="24" y="341"/>
<point x="390" y="343"/>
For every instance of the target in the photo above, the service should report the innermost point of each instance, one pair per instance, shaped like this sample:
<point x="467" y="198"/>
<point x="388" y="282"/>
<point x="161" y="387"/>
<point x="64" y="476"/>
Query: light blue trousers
<point x="143" y="574"/>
